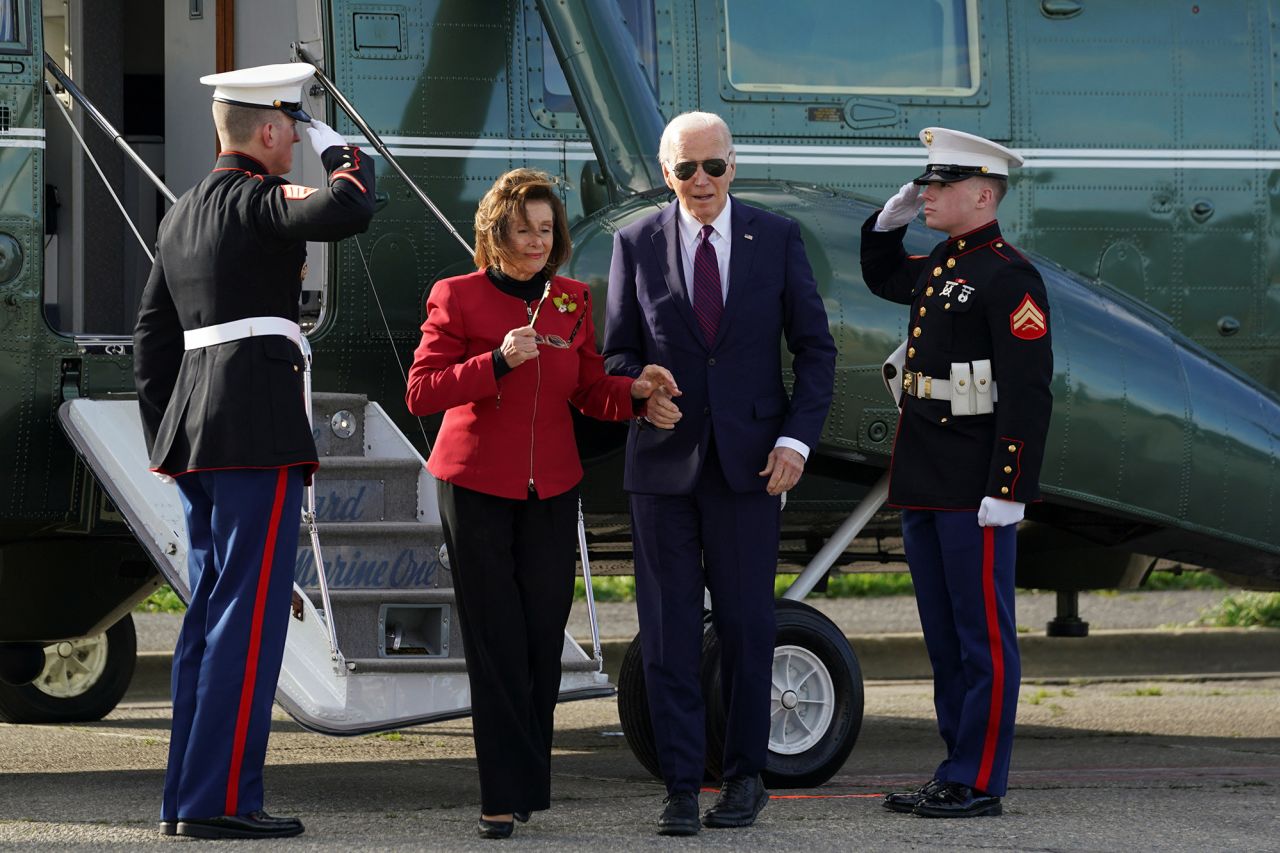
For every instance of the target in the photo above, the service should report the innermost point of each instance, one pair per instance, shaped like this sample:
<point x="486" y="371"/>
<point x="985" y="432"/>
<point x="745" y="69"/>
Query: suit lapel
<point x="740" y="256"/>
<point x="666" y="247"/>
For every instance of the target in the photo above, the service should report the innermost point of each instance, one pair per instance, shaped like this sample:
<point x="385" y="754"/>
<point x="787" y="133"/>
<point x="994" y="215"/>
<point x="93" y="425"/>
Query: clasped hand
<point x="520" y="345"/>
<point x="656" y="385"/>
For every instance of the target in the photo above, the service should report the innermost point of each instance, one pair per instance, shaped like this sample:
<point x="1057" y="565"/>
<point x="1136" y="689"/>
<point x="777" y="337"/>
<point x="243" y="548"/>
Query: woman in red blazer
<point x="503" y="350"/>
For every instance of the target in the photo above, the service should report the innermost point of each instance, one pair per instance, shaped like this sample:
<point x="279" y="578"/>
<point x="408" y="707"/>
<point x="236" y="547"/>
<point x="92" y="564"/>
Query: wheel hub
<point x="72" y="667"/>
<point x="804" y="700"/>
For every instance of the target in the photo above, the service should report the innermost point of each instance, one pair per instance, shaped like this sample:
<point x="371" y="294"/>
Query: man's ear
<point x="268" y="134"/>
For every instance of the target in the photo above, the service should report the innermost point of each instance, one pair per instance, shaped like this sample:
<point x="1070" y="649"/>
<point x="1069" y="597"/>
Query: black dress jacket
<point x="973" y="297"/>
<point x="234" y="246"/>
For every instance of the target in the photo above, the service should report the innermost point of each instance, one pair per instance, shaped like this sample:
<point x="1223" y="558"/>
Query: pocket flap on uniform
<point x="280" y="347"/>
<point x="770" y="407"/>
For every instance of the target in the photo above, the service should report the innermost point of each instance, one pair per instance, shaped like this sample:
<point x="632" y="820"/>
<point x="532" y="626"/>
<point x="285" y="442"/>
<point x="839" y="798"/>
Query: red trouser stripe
<point x="255" y="641"/>
<point x="997" y="657"/>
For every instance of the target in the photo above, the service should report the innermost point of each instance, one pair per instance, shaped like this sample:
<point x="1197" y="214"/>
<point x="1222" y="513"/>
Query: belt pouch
<point x="962" y="396"/>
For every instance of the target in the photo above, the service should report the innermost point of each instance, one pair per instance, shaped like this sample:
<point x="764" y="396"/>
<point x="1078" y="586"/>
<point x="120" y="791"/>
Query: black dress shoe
<point x="494" y="828"/>
<point x="956" y="800"/>
<point x="680" y="817"/>
<point x="905" y="801"/>
<point x="523" y="817"/>
<point x="740" y="800"/>
<point x="257" y="824"/>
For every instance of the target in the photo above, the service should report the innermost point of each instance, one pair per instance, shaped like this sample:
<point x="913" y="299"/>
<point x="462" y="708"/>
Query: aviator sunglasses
<point x="554" y="340"/>
<point x="715" y="167"/>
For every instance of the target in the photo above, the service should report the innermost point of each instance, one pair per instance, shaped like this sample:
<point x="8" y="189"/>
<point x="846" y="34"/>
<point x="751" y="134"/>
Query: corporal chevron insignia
<point x="296" y="192"/>
<point x="1027" y="320"/>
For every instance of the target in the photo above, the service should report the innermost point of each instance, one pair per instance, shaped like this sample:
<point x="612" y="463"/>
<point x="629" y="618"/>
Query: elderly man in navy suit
<point x="710" y="287"/>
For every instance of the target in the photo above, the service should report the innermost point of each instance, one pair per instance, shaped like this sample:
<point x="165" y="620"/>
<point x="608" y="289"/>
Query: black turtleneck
<point x="530" y="290"/>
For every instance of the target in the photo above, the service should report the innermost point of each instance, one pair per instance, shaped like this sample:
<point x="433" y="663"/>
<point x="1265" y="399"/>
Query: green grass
<point x="163" y="600"/>
<point x="857" y="585"/>
<point x="1244" y="610"/>
<point x="869" y="585"/>
<point x="1160" y="581"/>
<point x="607" y="588"/>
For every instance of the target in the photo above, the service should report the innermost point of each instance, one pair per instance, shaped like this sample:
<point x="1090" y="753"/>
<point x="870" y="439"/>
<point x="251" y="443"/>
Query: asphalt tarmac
<point x="1172" y="764"/>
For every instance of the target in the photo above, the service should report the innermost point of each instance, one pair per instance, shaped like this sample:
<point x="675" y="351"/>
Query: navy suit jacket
<point x="733" y="387"/>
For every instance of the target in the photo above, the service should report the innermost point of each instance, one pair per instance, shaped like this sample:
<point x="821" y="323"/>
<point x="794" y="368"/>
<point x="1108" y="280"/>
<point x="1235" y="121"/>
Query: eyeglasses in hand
<point x="557" y="341"/>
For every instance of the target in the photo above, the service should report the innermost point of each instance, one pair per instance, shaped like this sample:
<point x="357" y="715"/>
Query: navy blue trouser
<point x="963" y="577"/>
<point x="725" y="542"/>
<point x="242" y="531"/>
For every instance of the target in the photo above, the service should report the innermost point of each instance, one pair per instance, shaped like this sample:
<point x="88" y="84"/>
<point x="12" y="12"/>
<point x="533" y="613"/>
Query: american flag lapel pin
<point x="747" y="237"/>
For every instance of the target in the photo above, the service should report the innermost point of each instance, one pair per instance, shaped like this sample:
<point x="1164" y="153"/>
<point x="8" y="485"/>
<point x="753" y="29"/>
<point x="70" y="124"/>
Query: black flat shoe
<point x="680" y="816"/>
<point x="494" y="828"/>
<point x="523" y="817"/>
<point x="740" y="801"/>
<point x="906" y="801"/>
<point x="956" y="800"/>
<point x="257" y="824"/>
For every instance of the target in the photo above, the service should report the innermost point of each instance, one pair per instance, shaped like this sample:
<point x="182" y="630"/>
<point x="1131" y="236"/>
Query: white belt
<point x="970" y="388"/>
<point x="249" y="327"/>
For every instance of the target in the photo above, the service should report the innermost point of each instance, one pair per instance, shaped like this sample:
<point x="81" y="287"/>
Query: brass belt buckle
<point x="907" y="380"/>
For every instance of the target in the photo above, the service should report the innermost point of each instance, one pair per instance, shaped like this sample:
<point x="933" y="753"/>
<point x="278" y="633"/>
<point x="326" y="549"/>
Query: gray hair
<point x="691" y="121"/>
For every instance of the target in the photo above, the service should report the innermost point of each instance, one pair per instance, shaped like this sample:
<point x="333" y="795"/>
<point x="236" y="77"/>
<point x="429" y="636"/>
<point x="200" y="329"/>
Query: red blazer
<point x="499" y="436"/>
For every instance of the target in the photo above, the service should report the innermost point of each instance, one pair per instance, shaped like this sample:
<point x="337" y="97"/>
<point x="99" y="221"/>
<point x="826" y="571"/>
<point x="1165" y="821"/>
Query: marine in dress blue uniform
<point x="219" y="373"/>
<point x="975" y="397"/>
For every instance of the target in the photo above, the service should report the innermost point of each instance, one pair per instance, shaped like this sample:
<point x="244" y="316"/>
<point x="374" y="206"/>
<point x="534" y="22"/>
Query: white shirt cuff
<point x="798" y="446"/>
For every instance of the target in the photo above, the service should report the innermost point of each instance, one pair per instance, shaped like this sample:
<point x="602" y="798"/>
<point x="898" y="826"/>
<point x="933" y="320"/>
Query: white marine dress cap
<point x="955" y="155"/>
<point x="271" y="87"/>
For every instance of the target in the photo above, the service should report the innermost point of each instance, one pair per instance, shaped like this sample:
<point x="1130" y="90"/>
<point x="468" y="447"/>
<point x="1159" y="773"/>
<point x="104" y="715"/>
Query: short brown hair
<point x="236" y="124"/>
<point x="999" y="186"/>
<point x="504" y="204"/>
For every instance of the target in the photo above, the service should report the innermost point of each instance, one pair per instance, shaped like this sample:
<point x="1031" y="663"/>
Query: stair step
<point x="382" y="555"/>
<point x="357" y="489"/>
<point x="326" y="429"/>
<point x="384" y="596"/>
<point x="376" y="665"/>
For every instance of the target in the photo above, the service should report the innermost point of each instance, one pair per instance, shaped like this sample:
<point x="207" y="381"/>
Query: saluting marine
<point x="218" y="367"/>
<point x="974" y="376"/>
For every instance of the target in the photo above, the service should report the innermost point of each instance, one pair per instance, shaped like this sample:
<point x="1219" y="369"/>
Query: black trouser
<point x="513" y="567"/>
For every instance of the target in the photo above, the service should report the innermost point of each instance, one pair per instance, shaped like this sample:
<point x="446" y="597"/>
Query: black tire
<point x="633" y="709"/>
<point x="64" y="694"/>
<point x="822" y="646"/>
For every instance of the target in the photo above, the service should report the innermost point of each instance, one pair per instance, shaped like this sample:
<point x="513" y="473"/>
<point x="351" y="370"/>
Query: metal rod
<point x="377" y="143"/>
<point x="92" y="112"/>
<point x="309" y="516"/>
<point x="830" y="552"/>
<point x="101" y="174"/>
<point x="591" y="598"/>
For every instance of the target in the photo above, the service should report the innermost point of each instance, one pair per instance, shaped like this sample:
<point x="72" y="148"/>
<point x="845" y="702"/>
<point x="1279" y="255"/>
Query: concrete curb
<point x="886" y="657"/>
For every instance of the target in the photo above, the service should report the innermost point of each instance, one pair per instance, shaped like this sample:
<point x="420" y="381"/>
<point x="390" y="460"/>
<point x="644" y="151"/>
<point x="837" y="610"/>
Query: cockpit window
<point x="638" y="16"/>
<point x="919" y="47"/>
<point x="13" y="36"/>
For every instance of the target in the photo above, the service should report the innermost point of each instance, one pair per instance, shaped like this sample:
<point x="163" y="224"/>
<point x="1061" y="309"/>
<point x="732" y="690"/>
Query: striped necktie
<point x="708" y="304"/>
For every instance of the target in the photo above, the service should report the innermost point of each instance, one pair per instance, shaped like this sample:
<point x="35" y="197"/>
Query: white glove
<point x="900" y="209"/>
<point x="323" y="137"/>
<point x="997" y="513"/>
<point x="164" y="478"/>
